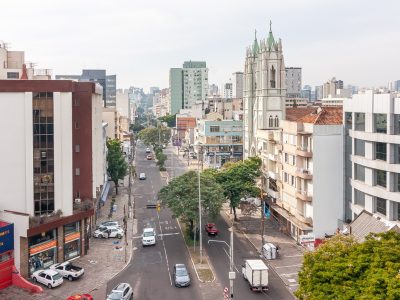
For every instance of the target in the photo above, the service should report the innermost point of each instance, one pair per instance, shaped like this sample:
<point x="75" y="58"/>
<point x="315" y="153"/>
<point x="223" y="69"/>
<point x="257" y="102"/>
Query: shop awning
<point x="292" y="219"/>
<point x="104" y="193"/>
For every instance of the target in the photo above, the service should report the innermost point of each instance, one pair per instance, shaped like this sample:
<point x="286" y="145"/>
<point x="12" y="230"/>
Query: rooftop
<point x="316" y="115"/>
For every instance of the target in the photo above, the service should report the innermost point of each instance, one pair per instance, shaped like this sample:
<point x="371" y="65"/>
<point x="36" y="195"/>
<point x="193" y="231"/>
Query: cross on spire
<point x="255" y="34"/>
<point x="270" y="24"/>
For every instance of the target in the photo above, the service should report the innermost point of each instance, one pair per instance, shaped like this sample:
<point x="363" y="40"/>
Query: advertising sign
<point x="267" y="212"/>
<point x="6" y="238"/>
<point x="307" y="239"/>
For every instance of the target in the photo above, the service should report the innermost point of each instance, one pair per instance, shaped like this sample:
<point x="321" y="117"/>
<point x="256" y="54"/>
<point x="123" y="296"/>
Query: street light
<point x="201" y="235"/>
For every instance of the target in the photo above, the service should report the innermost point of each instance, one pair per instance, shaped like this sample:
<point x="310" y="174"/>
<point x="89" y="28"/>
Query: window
<point x="276" y="121"/>
<point x="380" y="121"/>
<point x="77" y="102"/>
<point x="380" y="178"/>
<point x="272" y="76"/>
<point x="380" y="151"/>
<point x="359" y="147"/>
<point x="76" y="125"/>
<point x="270" y="122"/>
<point x="359" y="172"/>
<point x="12" y="75"/>
<point x="77" y="171"/>
<point x="381" y="206"/>
<point x="348" y="120"/>
<point x="396" y="124"/>
<point x="360" y="121"/>
<point x="77" y="148"/>
<point x="359" y="198"/>
<point x="214" y="128"/>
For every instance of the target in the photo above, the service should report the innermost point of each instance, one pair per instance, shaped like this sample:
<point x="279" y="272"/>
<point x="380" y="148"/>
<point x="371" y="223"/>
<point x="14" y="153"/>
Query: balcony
<point x="304" y="151"/>
<point x="299" y="215"/>
<point x="273" y="157"/>
<point x="303" y="173"/>
<point x="273" y="194"/>
<point x="279" y="147"/>
<point x="273" y="175"/>
<point x="303" y="195"/>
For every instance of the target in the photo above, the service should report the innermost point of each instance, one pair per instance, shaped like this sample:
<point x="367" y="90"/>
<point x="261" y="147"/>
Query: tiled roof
<point x="366" y="223"/>
<point x="316" y="115"/>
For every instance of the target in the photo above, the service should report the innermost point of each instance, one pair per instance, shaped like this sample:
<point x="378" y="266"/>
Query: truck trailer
<point x="256" y="273"/>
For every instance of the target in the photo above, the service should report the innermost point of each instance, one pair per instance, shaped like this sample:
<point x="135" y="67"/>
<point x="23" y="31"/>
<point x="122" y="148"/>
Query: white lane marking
<point x="297" y="255"/>
<point x="229" y="257"/>
<point x="298" y="265"/>
<point x="289" y="274"/>
<point x="165" y="234"/>
<point x="165" y="250"/>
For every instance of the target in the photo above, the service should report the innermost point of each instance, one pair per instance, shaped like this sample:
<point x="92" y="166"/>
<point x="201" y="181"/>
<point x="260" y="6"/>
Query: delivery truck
<point x="256" y="273"/>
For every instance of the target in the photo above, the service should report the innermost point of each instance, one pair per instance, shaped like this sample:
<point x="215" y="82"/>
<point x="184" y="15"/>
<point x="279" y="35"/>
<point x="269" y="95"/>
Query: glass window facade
<point x="359" y="172"/>
<point x="380" y="122"/>
<point x="359" y="198"/>
<point x="359" y="121"/>
<point x="381" y="206"/>
<point x="380" y="178"/>
<point x="380" y="151"/>
<point x="359" y="147"/>
<point x="43" y="153"/>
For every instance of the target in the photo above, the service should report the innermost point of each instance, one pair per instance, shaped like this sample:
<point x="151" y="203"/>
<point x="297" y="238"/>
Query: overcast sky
<point x="356" y="41"/>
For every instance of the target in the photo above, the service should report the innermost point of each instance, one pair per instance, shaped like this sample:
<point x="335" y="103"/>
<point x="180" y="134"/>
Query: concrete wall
<point x="327" y="178"/>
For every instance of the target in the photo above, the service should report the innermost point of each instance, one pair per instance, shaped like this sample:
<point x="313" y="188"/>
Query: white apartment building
<point x="195" y="82"/>
<point x="303" y="186"/>
<point x="372" y="154"/>
<point x="228" y="90"/>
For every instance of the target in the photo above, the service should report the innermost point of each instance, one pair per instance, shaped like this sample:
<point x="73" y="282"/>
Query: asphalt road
<point x="219" y="252"/>
<point x="150" y="270"/>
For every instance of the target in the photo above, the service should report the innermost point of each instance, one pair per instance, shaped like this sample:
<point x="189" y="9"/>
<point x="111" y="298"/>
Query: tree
<point x="117" y="166"/>
<point x="343" y="268"/>
<point x="155" y="136"/>
<point x="136" y="127"/>
<point x="181" y="196"/>
<point x="169" y="119"/>
<point x="239" y="180"/>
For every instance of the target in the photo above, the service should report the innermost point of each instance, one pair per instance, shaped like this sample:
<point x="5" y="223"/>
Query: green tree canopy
<point x="238" y="180"/>
<point x="152" y="136"/>
<point x="136" y="127"/>
<point x="343" y="268"/>
<point x="117" y="166"/>
<point x="182" y="194"/>
<point x="169" y="119"/>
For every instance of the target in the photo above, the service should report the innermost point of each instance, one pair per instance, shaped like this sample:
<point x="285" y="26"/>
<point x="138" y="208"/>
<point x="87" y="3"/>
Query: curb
<point x="258" y="251"/>
<point x="194" y="266"/>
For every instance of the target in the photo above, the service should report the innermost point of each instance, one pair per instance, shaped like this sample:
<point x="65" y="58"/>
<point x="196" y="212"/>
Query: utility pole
<point x="262" y="217"/>
<point x="232" y="274"/>
<point x="200" y="229"/>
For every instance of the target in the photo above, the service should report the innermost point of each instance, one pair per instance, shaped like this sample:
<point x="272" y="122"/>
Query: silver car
<point x="181" y="276"/>
<point x="122" y="291"/>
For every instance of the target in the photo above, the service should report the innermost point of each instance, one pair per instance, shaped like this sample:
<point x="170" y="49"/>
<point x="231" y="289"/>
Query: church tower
<point x="264" y="90"/>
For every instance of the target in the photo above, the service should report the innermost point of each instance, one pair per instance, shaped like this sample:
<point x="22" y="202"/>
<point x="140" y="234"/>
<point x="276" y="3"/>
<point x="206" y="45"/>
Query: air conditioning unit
<point x="77" y="200"/>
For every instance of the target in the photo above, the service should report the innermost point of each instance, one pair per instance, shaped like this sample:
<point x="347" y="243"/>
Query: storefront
<point x="42" y="250"/>
<point x="72" y="241"/>
<point x="6" y="254"/>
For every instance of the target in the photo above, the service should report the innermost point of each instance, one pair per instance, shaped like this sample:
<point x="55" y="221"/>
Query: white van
<point x="149" y="237"/>
<point x="269" y="251"/>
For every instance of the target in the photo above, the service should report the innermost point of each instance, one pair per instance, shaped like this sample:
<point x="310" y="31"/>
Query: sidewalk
<point x="105" y="259"/>
<point x="290" y="260"/>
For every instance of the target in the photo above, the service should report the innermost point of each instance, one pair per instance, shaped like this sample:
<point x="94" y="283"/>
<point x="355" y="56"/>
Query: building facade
<point x="293" y="82"/>
<point x="264" y="90"/>
<point x="372" y="155"/>
<point x="57" y="157"/>
<point x="237" y="85"/>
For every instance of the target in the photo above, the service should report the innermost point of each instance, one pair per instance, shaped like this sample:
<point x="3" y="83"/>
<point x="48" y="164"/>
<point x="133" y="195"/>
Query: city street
<point x="219" y="253"/>
<point x="150" y="271"/>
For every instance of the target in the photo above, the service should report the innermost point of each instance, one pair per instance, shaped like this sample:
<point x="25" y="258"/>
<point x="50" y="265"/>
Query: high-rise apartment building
<point x="264" y="90"/>
<point x="56" y="166"/>
<point x="228" y="90"/>
<point x="293" y="82"/>
<point x="394" y="86"/>
<point x="237" y="85"/>
<point x="330" y="88"/>
<point x="188" y="85"/>
<point x="108" y="82"/>
<point x="372" y="155"/>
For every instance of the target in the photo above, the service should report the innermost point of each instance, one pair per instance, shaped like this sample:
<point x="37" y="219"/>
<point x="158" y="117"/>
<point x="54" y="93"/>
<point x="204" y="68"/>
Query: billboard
<point x="6" y="237"/>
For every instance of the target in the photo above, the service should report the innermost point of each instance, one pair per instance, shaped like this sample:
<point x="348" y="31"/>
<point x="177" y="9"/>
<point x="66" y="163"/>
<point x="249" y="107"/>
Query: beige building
<point x="118" y="126"/>
<point x="304" y="187"/>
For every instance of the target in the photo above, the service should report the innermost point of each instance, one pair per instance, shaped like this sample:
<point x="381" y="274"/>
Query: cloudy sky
<point x="139" y="40"/>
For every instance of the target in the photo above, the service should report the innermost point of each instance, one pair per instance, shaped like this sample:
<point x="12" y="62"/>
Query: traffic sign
<point x="226" y="290"/>
<point x="226" y="296"/>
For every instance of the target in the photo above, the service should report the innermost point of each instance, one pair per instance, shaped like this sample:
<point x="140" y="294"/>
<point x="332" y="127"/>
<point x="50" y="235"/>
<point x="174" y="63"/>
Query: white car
<point x="101" y="233"/>
<point x="149" y="237"/>
<point x="49" y="278"/>
<point x="148" y="150"/>
<point x="110" y="223"/>
<point x="122" y="291"/>
<point x="142" y="176"/>
<point x="68" y="270"/>
<point x="117" y="232"/>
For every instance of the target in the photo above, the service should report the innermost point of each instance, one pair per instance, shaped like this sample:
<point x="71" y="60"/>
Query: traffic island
<point x="202" y="268"/>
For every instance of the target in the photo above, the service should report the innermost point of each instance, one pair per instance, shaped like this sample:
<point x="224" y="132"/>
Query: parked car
<point x="116" y="232"/>
<point x="101" y="233"/>
<point x="68" y="270"/>
<point x="142" y="176"/>
<point x="122" y="291"/>
<point x="149" y="237"/>
<point x="149" y="157"/>
<point x="181" y="276"/>
<point x="110" y="223"/>
<point x="80" y="297"/>
<point x="211" y="229"/>
<point x="148" y="150"/>
<point x="49" y="278"/>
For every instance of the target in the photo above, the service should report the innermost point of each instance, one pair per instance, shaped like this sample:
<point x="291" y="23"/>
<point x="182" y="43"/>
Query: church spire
<point x="270" y="39"/>
<point x="255" y="44"/>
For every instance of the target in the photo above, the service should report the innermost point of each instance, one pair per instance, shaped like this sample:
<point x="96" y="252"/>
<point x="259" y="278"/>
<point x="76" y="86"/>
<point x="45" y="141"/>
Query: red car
<point x="211" y="229"/>
<point x="149" y="157"/>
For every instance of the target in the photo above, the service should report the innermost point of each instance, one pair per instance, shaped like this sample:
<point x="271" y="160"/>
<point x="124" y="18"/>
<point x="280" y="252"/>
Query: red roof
<point x="316" y="115"/>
